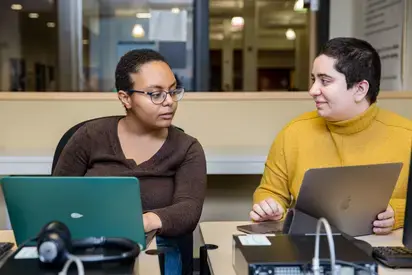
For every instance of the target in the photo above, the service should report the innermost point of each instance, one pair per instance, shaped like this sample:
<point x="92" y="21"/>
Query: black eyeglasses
<point x="159" y="96"/>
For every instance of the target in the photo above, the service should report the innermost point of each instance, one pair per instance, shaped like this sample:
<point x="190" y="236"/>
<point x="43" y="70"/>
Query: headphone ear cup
<point x="57" y="227"/>
<point x="54" y="246"/>
<point x="54" y="243"/>
<point x="52" y="250"/>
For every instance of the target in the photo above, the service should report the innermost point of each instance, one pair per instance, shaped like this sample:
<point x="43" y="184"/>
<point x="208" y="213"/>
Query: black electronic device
<point x="393" y="256"/>
<point x="5" y="247"/>
<point x="55" y="248"/>
<point x="267" y="227"/>
<point x="293" y="254"/>
<point x="398" y="256"/>
<point x="54" y="245"/>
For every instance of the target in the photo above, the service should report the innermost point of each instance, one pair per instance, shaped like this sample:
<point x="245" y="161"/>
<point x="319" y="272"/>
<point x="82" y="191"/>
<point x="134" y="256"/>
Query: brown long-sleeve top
<point x="172" y="182"/>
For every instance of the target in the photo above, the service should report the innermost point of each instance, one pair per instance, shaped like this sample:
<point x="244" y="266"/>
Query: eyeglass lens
<point x="160" y="96"/>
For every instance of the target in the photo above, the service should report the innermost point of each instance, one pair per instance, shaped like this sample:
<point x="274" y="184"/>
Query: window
<point x="50" y="45"/>
<point x="259" y="45"/>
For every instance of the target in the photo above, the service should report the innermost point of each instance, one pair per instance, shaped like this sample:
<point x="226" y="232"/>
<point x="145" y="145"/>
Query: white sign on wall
<point x="166" y="25"/>
<point x="382" y="25"/>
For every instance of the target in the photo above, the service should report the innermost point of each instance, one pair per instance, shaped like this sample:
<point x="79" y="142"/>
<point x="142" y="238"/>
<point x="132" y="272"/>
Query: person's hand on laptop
<point x="267" y="209"/>
<point x="151" y="221"/>
<point x="385" y="221"/>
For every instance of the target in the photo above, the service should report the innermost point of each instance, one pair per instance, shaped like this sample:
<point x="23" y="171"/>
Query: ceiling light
<point x="33" y="15"/>
<point x="175" y="10"/>
<point x="143" y="15"/>
<point x="16" y="7"/>
<point x="237" y="21"/>
<point x="299" y="6"/>
<point x="51" y="24"/>
<point x="220" y="36"/>
<point x="290" y="34"/>
<point x="138" y="31"/>
<point x="124" y="12"/>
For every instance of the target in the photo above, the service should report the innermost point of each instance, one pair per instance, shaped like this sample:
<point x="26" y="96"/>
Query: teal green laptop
<point x="89" y="206"/>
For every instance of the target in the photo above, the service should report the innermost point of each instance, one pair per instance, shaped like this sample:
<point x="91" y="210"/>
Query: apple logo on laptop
<point x="76" y="215"/>
<point x="345" y="203"/>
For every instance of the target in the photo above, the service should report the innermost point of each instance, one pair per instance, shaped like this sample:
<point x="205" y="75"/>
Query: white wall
<point x="407" y="65"/>
<point x="345" y="20"/>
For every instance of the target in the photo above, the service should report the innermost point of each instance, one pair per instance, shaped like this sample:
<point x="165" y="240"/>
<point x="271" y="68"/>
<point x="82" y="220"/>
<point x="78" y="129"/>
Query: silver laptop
<point x="349" y="197"/>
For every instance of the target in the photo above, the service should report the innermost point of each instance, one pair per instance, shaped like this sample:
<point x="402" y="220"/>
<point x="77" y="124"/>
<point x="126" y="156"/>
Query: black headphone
<point x="55" y="245"/>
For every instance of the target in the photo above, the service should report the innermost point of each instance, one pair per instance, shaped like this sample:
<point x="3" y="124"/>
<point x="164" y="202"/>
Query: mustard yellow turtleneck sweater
<point x="376" y="136"/>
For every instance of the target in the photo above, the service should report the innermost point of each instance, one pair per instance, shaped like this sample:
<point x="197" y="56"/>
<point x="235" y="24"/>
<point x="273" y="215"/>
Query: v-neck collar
<point x="145" y="165"/>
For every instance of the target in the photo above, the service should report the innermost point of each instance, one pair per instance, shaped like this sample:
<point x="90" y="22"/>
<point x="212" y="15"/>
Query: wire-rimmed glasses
<point x="159" y="96"/>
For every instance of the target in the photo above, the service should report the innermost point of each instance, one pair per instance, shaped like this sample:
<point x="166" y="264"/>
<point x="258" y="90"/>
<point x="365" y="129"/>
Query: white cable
<point x="315" y="261"/>
<point x="71" y="259"/>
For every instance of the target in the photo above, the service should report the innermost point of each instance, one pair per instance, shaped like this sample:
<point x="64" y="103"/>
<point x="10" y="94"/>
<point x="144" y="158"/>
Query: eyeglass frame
<point x="150" y="94"/>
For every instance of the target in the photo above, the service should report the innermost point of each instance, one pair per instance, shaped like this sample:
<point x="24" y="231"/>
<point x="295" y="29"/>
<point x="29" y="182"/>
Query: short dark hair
<point x="130" y="63"/>
<point x="357" y="60"/>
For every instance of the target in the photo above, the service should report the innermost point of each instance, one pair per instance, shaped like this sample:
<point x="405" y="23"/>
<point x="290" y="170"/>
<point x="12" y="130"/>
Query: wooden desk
<point x="220" y="234"/>
<point x="145" y="264"/>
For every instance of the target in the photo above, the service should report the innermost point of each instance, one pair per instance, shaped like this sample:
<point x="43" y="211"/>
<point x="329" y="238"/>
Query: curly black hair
<point x="130" y="63"/>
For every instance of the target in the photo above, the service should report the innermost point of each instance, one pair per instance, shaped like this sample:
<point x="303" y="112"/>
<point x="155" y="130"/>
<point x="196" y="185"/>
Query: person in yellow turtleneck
<point x="348" y="128"/>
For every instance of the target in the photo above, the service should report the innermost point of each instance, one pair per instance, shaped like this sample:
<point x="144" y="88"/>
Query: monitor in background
<point x="407" y="228"/>
<point x="398" y="256"/>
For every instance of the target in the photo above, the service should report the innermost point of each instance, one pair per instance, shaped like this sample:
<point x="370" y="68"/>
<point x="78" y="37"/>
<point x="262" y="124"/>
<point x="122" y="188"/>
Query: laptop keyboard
<point x="4" y="248"/>
<point x="393" y="256"/>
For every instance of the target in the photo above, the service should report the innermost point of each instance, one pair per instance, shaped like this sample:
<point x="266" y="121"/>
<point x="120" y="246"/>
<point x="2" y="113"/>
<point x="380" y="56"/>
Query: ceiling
<point x="274" y="16"/>
<point x="271" y="12"/>
<point x="29" y="5"/>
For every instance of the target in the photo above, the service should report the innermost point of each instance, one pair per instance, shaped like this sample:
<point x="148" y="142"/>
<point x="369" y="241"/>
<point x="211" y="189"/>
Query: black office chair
<point x="185" y="242"/>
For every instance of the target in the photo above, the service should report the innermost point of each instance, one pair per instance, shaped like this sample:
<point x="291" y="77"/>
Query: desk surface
<point x="220" y="234"/>
<point x="146" y="264"/>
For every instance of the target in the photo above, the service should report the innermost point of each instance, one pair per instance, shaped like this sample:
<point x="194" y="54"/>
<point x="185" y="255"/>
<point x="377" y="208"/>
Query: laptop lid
<point x="89" y="206"/>
<point x="349" y="197"/>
